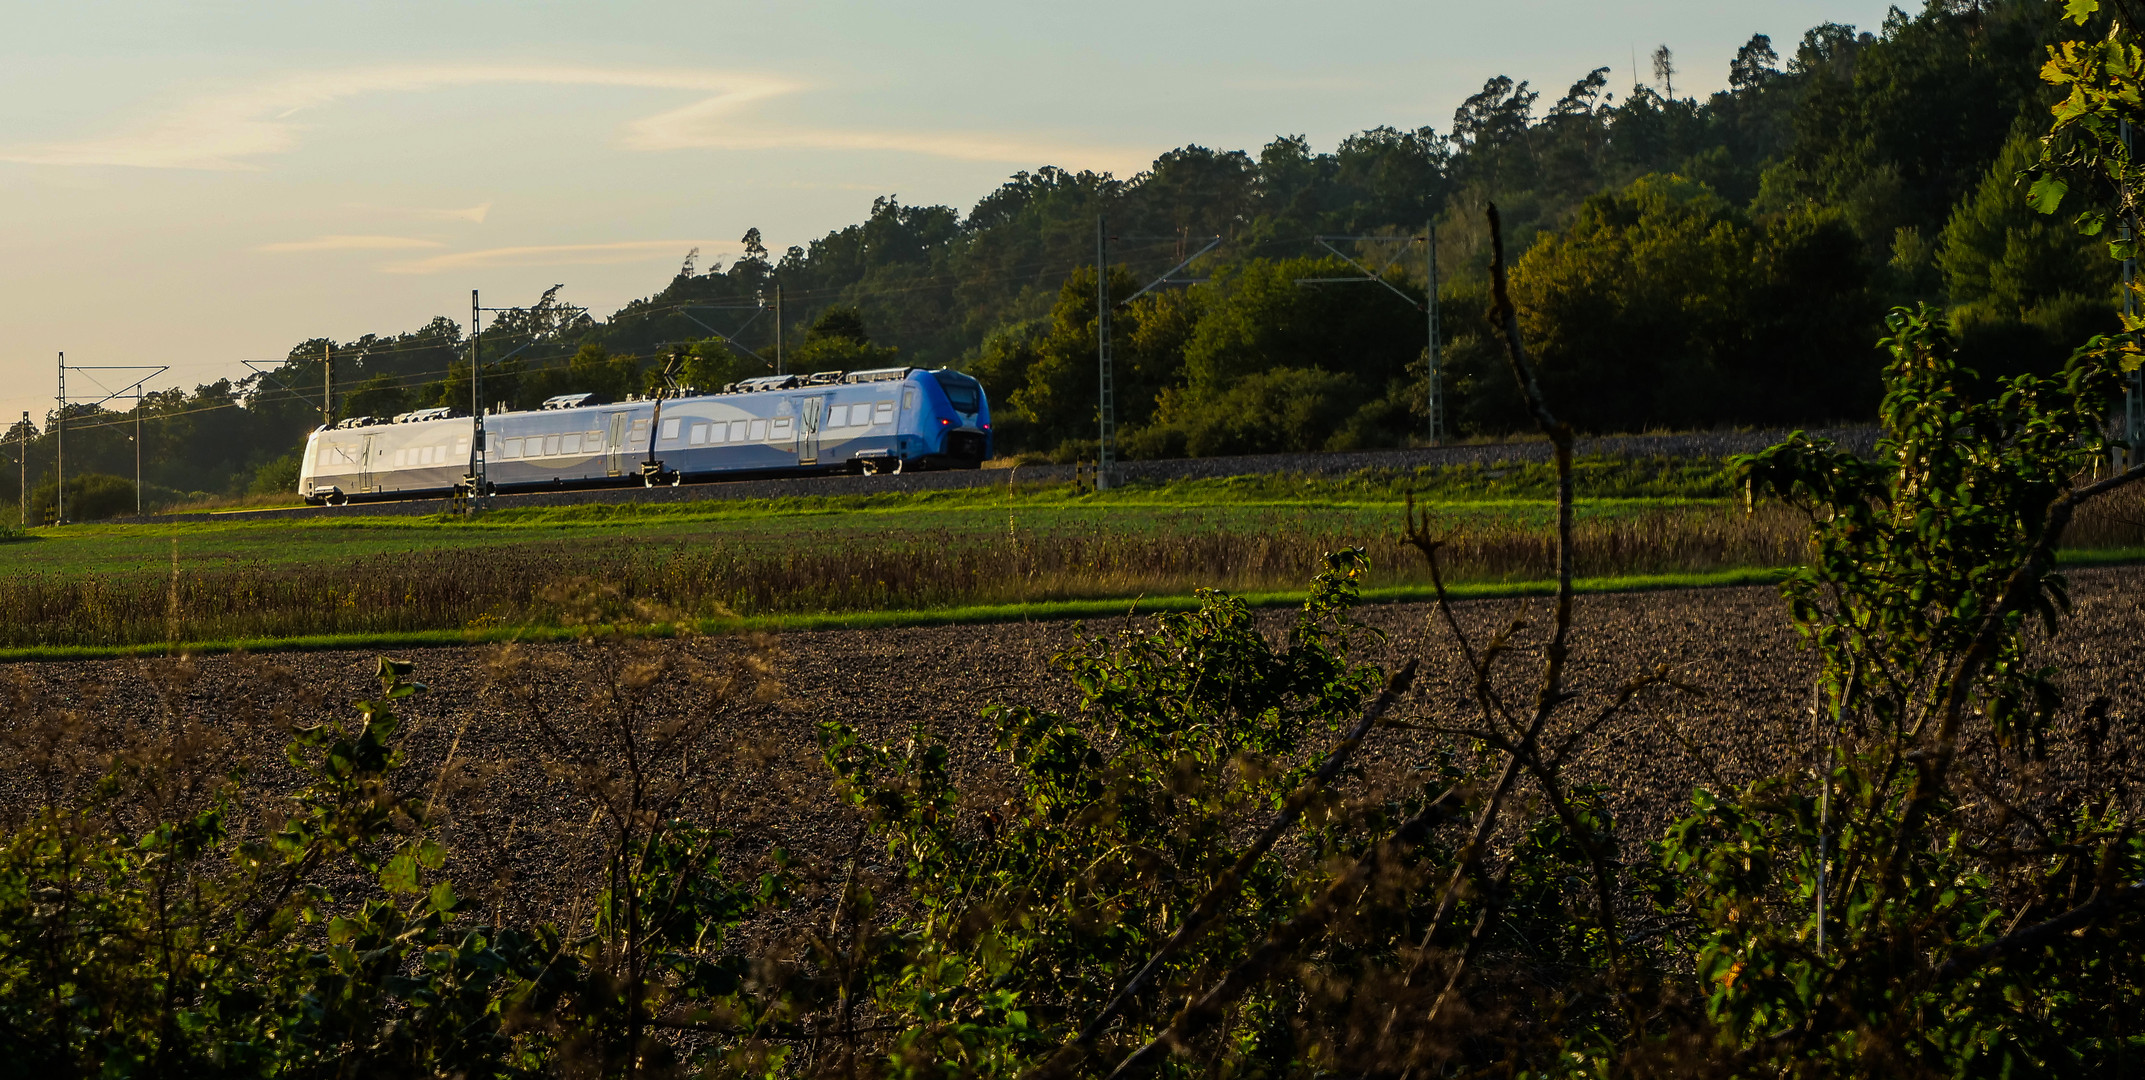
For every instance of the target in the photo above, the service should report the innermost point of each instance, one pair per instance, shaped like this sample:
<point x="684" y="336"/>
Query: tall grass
<point x="528" y="584"/>
<point x="684" y="577"/>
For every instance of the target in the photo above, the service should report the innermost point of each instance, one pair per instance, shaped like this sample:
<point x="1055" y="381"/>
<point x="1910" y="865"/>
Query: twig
<point x="1197" y="1015"/>
<point x="1225" y="888"/>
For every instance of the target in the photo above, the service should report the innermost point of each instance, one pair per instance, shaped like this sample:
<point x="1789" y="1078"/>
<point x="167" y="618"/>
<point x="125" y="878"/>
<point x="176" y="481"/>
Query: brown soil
<point x="525" y="841"/>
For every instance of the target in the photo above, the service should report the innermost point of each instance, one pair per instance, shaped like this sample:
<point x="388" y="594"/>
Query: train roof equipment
<point x="892" y="374"/>
<point x="415" y="416"/>
<point x="566" y="401"/>
<point x="767" y="382"/>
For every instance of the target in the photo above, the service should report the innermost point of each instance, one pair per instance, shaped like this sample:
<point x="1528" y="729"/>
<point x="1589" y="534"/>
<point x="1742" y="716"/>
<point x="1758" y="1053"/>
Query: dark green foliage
<point x="2023" y="285"/>
<point x="275" y="477"/>
<point x="838" y="341"/>
<point x="90" y="497"/>
<point x="192" y="951"/>
<point x="1661" y="306"/>
<point x="1856" y="170"/>
<point x="379" y="396"/>
<point x="200" y="949"/>
<point x="1117" y="819"/>
<point x="1933" y="563"/>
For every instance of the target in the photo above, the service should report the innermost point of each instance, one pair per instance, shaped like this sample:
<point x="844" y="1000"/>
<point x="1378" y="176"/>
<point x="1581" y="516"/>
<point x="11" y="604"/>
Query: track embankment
<point x="1700" y="445"/>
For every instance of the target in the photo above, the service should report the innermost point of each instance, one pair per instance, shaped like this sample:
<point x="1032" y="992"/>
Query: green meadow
<point x="898" y="558"/>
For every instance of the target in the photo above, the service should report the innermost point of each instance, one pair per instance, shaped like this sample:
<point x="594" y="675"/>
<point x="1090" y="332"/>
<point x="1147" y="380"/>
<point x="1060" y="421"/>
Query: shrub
<point x="90" y="497"/>
<point x="277" y="477"/>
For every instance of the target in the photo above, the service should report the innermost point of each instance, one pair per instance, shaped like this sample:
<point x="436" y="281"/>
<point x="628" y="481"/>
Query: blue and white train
<point x="863" y="421"/>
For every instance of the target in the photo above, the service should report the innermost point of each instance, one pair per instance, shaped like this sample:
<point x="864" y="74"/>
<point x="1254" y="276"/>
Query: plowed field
<point x="523" y="839"/>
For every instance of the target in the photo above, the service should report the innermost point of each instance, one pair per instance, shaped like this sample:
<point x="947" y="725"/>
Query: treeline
<point x="1687" y="262"/>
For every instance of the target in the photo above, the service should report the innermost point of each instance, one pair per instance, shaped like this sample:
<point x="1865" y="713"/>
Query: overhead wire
<point x="403" y="344"/>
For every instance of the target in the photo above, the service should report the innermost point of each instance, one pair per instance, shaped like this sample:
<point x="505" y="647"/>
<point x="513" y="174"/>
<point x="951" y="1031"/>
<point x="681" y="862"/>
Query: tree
<point x="1662" y="306"/>
<point x="1755" y="64"/>
<point x="2024" y="287"/>
<point x="380" y="395"/>
<point x="838" y="341"/>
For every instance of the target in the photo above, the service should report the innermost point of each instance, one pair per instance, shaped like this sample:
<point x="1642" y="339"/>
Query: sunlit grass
<point x="105" y="586"/>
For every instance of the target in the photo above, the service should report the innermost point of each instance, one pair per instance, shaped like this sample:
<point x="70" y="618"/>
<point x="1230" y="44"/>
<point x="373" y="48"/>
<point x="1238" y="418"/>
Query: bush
<point x="277" y="477"/>
<point x="1278" y="411"/>
<point x="90" y="497"/>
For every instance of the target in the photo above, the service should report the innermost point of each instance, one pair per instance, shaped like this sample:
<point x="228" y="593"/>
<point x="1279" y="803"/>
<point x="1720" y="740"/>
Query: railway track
<point x="1700" y="445"/>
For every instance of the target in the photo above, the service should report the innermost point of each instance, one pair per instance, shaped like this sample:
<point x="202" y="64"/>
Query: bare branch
<point x="1225" y="888"/>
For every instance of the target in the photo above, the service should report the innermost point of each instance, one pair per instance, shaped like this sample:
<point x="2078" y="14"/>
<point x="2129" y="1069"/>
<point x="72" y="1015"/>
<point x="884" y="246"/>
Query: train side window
<point x="491" y="442"/>
<point x="401" y="457"/>
<point x="570" y="443"/>
<point x="699" y="436"/>
<point x="838" y="416"/>
<point x="883" y="413"/>
<point x="439" y="456"/>
<point x="758" y="432"/>
<point x="551" y="446"/>
<point x="737" y="431"/>
<point x="670" y="430"/>
<point x="591" y="441"/>
<point x="782" y="427"/>
<point x="461" y="449"/>
<point x="513" y="448"/>
<point x="908" y="399"/>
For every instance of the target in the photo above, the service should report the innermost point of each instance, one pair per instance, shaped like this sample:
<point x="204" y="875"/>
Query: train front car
<point x="962" y="416"/>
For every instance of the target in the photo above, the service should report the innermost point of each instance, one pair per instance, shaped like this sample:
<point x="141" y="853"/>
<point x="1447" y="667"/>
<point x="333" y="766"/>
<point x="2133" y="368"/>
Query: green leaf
<point x="431" y="855"/>
<point x="2091" y="222"/>
<point x="400" y="874"/>
<point x="443" y="899"/>
<point x="2078" y="11"/>
<point x="2047" y="193"/>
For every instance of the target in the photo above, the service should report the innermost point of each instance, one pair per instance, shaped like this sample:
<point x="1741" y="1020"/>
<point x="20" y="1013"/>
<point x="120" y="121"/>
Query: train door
<point x="810" y="410"/>
<point x="614" y="455"/>
<point x="365" y="453"/>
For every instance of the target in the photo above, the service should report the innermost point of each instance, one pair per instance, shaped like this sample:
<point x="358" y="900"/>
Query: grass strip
<point x="1041" y="611"/>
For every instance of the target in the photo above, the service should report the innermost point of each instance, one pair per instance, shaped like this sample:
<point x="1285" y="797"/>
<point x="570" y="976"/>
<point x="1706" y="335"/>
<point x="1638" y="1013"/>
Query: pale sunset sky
<point x="194" y="184"/>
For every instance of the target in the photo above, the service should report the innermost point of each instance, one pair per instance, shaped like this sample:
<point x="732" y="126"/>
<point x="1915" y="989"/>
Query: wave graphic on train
<point x="831" y="422"/>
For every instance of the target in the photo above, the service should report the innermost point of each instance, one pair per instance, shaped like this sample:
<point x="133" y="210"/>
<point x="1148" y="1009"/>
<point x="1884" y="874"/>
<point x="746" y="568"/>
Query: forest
<point x="1683" y="263"/>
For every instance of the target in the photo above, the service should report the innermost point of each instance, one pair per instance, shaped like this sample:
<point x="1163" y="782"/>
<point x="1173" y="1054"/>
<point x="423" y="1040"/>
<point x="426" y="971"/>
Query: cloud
<point x="232" y="131"/>
<point x="714" y="125"/>
<point x="227" y="131"/>
<point x="625" y="251"/>
<point x="475" y="213"/>
<point x="348" y="243"/>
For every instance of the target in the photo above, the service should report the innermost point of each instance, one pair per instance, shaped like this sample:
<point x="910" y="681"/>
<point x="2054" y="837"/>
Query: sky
<point x="197" y="184"/>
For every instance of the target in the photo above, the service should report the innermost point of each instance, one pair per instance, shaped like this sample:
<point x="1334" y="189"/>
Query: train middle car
<point x="865" y="421"/>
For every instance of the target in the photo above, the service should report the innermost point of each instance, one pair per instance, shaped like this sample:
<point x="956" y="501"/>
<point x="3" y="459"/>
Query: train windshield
<point x="965" y="393"/>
